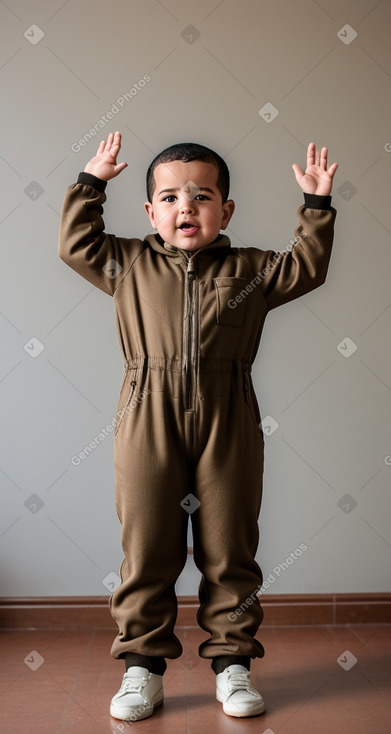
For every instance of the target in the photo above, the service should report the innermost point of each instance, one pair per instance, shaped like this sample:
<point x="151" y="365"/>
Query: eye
<point x="202" y="197"/>
<point x="169" y="199"/>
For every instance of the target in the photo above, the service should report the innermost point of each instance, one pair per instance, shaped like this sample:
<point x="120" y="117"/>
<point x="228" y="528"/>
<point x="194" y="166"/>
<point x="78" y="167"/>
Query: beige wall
<point x="212" y="67"/>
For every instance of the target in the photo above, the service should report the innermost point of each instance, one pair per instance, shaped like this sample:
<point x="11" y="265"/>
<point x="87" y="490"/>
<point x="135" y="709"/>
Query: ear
<point x="149" y="209"/>
<point x="228" y="210"/>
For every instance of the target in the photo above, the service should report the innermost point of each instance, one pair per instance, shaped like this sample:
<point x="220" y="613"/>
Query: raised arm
<point x="301" y="267"/>
<point x="103" y="259"/>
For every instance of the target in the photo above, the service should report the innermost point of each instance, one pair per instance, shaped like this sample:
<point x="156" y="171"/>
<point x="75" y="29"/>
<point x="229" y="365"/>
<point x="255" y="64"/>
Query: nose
<point x="186" y="205"/>
<point x="188" y="192"/>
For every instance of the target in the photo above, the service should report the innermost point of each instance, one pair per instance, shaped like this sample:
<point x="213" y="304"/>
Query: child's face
<point x="187" y="208"/>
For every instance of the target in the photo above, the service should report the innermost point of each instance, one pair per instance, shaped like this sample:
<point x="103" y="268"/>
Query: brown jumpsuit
<point x="188" y="440"/>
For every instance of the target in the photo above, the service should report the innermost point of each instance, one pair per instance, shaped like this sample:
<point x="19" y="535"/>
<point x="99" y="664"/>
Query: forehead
<point x="176" y="174"/>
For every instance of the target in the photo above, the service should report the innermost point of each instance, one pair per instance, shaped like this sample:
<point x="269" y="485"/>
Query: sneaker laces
<point x="238" y="681"/>
<point x="134" y="684"/>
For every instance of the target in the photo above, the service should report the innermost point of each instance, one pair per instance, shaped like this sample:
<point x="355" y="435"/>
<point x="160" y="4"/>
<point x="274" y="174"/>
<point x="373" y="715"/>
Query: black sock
<point x="221" y="662"/>
<point x="154" y="664"/>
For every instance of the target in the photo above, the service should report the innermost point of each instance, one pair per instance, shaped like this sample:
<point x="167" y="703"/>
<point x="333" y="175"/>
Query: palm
<point x="317" y="178"/>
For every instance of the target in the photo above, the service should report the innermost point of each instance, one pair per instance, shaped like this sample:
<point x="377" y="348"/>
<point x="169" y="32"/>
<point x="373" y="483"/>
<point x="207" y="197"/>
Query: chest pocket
<point x="229" y="311"/>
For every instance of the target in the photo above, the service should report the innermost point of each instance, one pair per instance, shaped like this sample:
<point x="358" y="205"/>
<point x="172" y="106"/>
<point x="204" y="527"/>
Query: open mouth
<point x="188" y="228"/>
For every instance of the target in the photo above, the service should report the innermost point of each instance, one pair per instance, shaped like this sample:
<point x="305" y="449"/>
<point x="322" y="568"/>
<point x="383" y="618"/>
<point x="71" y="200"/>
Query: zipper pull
<point x="190" y="271"/>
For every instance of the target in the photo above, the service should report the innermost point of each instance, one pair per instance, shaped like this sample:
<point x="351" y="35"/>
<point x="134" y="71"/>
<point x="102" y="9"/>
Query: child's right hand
<point x="104" y="165"/>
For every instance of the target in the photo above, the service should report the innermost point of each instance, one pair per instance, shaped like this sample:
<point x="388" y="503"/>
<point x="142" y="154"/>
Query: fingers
<point x="116" y="140"/>
<point x="311" y="155"/>
<point x="105" y="146"/>
<point x="112" y="146"/>
<point x="113" y="140"/>
<point x="319" y="158"/>
<point x="299" y="173"/>
<point x="120" y="167"/>
<point x="331" y="171"/>
<point x="316" y="157"/>
<point x="108" y="143"/>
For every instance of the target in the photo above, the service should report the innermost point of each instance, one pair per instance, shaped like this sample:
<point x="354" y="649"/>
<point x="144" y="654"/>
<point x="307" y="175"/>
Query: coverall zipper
<point x="191" y="335"/>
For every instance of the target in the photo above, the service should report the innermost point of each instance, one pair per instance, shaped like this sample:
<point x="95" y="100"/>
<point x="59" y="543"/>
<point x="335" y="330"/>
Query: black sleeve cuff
<point x="90" y="180"/>
<point x="313" y="201"/>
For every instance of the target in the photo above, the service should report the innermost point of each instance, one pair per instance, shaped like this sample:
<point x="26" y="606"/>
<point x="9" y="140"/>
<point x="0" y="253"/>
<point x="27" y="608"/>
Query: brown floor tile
<point x="62" y="681"/>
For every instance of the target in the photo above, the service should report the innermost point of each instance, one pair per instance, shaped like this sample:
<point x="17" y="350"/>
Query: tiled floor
<point x="62" y="681"/>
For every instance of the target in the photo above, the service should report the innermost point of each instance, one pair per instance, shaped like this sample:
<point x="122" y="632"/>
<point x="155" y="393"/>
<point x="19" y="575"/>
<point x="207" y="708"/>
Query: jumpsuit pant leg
<point x="228" y="485"/>
<point x="151" y="480"/>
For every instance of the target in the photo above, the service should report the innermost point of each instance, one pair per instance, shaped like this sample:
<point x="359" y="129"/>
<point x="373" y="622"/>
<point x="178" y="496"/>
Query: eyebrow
<point x="171" y="191"/>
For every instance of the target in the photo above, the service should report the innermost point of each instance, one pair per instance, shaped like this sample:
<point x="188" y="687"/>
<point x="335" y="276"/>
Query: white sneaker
<point x="235" y="690"/>
<point x="140" y="692"/>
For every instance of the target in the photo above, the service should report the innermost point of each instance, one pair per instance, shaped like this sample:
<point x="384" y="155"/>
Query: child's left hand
<point x="317" y="178"/>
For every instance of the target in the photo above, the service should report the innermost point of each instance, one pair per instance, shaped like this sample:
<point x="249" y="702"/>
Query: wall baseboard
<point x="279" y="609"/>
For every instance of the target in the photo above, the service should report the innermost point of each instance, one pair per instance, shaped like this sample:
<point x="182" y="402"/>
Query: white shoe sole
<point x="139" y="712"/>
<point x="244" y="710"/>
